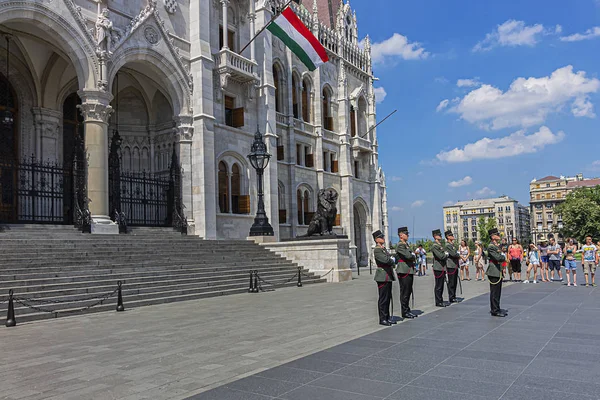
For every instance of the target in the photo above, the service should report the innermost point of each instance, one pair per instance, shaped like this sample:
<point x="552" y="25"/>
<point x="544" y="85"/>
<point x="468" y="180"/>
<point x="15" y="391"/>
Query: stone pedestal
<point x="318" y="256"/>
<point x="262" y="239"/>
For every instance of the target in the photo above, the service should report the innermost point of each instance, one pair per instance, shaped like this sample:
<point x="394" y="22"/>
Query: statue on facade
<point x="106" y="33"/>
<point x="324" y="219"/>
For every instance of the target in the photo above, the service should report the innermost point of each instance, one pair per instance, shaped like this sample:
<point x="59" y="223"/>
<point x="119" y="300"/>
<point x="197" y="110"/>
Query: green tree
<point x="471" y="245"/>
<point x="581" y="213"/>
<point x="484" y="225"/>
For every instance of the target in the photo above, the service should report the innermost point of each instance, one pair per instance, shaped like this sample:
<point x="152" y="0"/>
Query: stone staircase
<point x="63" y="270"/>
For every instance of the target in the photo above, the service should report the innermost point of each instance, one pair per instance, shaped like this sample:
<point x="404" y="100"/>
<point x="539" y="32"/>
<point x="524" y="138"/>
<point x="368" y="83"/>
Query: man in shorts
<point x="589" y="260"/>
<point x="554" y="259"/>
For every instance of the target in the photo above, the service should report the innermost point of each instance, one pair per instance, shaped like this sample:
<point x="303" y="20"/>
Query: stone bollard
<point x="120" y="306"/>
<point x="10" y="315"/>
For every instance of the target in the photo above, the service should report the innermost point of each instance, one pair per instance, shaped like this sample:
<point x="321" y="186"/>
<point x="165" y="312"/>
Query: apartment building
<point x="512" y="218"/>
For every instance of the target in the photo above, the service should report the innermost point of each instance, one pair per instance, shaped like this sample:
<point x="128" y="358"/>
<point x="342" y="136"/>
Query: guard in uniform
<point x="494" y="273"/>
<point x="406" y="270"/>
<point x="384" y="276"/>
<point x="452" y="266"/>
<point x="439" y="267"/>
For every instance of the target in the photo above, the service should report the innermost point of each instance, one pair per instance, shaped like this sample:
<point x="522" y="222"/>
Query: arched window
<point x="230" y="38"/>
<point x="278" y="91"/>
<point x="223" y="188"/>
<point x="362" y="117"/>
<point x="295" y="105"/>
<point x="304" y="206"/>
<point x="326" y="110"/>
<point x="236" y="189"/>
<point x="72" y="127"/>
<point x="352" y="121"/>
<point x="306" y="103"/>
<point x="281" y="203"/>
<point x="126" y="159"/>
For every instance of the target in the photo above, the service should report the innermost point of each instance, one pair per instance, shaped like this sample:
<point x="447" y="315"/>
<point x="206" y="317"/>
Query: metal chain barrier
<point x="322" y="276"/>
<point x="274" y="284"/>
<point x="26" y="302"/>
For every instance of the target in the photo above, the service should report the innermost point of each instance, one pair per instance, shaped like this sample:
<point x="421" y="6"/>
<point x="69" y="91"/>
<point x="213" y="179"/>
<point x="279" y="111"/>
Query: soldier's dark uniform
<point x="405" y="268"/>
<point x="384" y="276"/>
<point x="439" y="269"/>
<point x="452" y="267"/>
<point x="494" y="273"/>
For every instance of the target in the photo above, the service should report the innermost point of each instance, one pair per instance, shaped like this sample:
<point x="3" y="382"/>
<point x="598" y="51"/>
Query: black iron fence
<point x="36" y="192"/>
<point x="145" y="199"/>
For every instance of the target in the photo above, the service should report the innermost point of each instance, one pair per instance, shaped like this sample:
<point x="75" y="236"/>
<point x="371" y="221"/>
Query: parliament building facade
<point x="160" y="105"/>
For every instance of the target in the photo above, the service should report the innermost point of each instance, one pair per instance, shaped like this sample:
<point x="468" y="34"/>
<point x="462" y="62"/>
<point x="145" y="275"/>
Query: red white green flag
<point x="290" y="29"/>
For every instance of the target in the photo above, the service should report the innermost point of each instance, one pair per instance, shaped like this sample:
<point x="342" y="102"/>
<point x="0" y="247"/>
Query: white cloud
<point x="441" y="79"/>
<point x="528" y="101"/>
<point x="515" y="33"/>
<point x="443" y="104"/>
<point x="468" y="82"/>
<point x="417" y="203"/>
<point x="467" y="180"/>
<point x="380" y="94"/>
<point x="589" y="34"/>
<point x="397" y="46"/>
<point x="395" y="178"/>
<point x="448" y="203"/>
<point x="485" y="192"/>
<point x="595" y="166"/>
<point x="396" y="208"/>
<point x="507" y="146"/>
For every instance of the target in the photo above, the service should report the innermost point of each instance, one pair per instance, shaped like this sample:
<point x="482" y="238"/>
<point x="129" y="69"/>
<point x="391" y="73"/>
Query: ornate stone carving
<point x="185" y="128"/>
<point x="151" y="35"/>
<point x="324" y="219"/>
<point x="93" y="111"/>
<point x="171" y="6"/>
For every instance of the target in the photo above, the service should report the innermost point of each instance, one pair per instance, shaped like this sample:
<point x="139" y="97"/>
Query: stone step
<point x="66" y="291"/>
<point x="24" y="314"/>
<point x="83" y="280"/>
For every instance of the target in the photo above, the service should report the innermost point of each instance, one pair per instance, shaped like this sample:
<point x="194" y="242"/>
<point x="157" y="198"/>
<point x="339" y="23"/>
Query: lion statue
<point x="324" y="219"/>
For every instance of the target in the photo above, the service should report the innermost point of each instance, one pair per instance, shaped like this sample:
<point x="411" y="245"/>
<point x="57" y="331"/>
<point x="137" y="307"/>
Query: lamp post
<point x="7" y="116"/>
<point x="259" y="159"/>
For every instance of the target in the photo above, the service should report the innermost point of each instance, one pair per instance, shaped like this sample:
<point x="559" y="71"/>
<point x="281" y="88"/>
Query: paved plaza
<point x="177" y="350"/>
<point x="546" y="349"/>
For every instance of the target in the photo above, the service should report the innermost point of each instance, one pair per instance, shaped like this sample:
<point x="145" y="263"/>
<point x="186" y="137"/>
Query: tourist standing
<point x="422" y="254"/>
<point x="515" y="253"/>
<point x="533" y="260"/>
<point x="589" y="260"/>
<point x="405" y="269"/>
<point x="554" y="259"/>
<point x="452" y="266"/>
<point x="570" y="262"/>
<point x="465" y="253"/>
<point x="384" y="276"/>
<point x="479" y="261"/>
<point x="543" y="248"/>
<point x="440" y="256"/>
<point x="494" y="273"/>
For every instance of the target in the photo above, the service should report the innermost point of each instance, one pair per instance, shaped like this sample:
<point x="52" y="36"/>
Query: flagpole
<point x="380" y="122"/>
<point x="266" y="25"/>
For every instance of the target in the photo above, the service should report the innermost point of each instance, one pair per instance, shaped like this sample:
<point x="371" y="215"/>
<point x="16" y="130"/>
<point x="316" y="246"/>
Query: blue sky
<point x="490" y="94"/>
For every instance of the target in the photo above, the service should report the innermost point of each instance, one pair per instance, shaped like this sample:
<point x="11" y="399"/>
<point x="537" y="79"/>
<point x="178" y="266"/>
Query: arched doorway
<point x="9" y="150"/>
<point x="360" y="236"/>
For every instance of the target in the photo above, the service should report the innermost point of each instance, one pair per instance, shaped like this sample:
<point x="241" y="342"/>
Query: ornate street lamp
<point x="7" y="116"/>
<point x="259" y="159"/>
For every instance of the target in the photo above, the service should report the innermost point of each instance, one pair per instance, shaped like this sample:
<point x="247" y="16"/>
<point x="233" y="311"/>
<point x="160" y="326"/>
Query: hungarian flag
<point x="299" y="39"/>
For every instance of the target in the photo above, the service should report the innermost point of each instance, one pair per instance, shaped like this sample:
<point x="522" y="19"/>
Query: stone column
<point x="252" y="18"/>
<point x="184" y="134"/>
<point x="225" y="4"/>
<point x="96" y="111"/>
<point x="47" y="124"/>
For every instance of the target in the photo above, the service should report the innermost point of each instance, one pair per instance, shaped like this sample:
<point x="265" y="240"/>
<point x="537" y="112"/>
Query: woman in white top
<point x="479" y="262"/>
<point x="463" y="262"/>
<point x="533" y="262"/>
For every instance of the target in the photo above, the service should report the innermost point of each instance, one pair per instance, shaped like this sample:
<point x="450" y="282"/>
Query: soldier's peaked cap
<point x="436" y="232"/>
<point x="493" y="231"/>
<point x="378" y="234"/>
<point x="403" y="229"/>
<point x="448" y="233"/>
